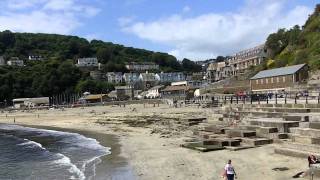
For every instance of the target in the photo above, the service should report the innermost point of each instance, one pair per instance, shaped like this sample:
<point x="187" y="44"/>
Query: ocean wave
<point x="66" y="161"/>
<point x="32" y="143"/>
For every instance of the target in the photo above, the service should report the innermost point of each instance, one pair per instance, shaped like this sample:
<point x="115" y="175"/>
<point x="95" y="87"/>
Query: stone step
<point x="256" y="141"/>
<point x="305" y="131"/>
<point x="296" y="118"/>
<point x="249" y="127"/>
<point x="302" y="147"/>
<point x="228" y="141"/>
<point x="283" y="126"/>
<point x="294" y="152"/>
<point x="314" y="125"/>
<point x="305" y="139"/>
<point x="239" y="133"/>
<point x="274" y="136"/>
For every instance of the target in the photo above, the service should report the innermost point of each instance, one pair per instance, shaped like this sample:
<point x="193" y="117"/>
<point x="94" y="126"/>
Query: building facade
<point x="170" y="77"/>
<point x="279" y="78"/>
<point x="15" y="61"/>
<point x="241" y="61"/>
<point x="141" y="67"/>
<point x="115" y="77"/>
<point x="217" y="71"/>
<point x="35" y="58"/>
<point x="87" y="62"/>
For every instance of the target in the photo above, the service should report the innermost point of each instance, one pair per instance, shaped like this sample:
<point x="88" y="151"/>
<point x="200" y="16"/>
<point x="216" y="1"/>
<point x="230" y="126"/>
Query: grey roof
<point x="278" y="71"/>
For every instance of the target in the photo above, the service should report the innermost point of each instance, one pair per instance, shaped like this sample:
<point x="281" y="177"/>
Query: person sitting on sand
<point x="230" y="173"/>
<point x="313" y="161"/>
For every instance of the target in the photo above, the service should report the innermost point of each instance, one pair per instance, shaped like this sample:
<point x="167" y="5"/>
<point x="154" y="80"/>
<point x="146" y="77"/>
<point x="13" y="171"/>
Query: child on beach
<point x="229" y="172"/>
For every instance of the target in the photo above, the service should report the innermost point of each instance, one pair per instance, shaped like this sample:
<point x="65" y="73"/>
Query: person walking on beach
<point x="230" y="173"/>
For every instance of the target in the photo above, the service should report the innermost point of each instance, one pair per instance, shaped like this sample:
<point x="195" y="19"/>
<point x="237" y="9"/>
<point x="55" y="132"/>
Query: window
<point x="283" y="79"/>
<point x="278" y="80"/>
<point x="271" y="80"/>
<point x="261" y="81"/>
<point x="257" y="81"/>
<point x="267" y="80"/>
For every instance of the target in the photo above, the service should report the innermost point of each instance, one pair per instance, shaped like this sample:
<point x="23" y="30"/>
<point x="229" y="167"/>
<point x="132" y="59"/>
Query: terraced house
<point x="242" y="60"/>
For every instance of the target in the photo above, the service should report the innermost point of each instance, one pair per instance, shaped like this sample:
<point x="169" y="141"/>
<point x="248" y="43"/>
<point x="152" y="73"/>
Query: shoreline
<point x="150" y="143"/>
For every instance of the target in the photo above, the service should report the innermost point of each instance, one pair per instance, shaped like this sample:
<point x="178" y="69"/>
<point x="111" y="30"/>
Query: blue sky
<point x="196" y="29"/>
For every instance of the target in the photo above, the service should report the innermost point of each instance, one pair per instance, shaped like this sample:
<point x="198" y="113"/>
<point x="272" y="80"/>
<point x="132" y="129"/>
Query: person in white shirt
<point x="230" y="173"/>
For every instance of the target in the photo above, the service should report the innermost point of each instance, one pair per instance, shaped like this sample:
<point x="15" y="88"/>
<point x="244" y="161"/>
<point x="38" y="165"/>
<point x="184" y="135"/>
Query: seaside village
<point x="279" y="106"/>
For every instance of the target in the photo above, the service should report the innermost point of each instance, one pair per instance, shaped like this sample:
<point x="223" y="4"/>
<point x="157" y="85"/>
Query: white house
<point x="144" y="66"/>
<point x="130" y="77"/>
<point x="35" y="58"/>
<point x="115" y="77"/>
<point x="170" y="77"/>
<point x="87" y="62"/>
<point x="154" y="92"/>
<point x="15" y="61"/>
<point x="30" y="102"/>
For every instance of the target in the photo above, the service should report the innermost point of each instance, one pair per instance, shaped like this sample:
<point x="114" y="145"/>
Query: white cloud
<point x="45" y="16"/>
<point x="124" y="21"/>
<point x="186" y="9"/>
<point x="212" y="34"/>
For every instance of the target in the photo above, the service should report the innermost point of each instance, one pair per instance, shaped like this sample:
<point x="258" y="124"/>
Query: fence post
<point x="306" y="99"/>
<point x="319" y="98"/>
<point x="267" y="99"/>
<point x="285" y="99"/>
<point x="237" y="99"/>
<point x="244" y="100"/>
<point x="276" y="98"/>
<point x="251" y="99"/>
<point x="231" y="99"/>
<point x="295" y="99"/>
<point x="258" y="99"/>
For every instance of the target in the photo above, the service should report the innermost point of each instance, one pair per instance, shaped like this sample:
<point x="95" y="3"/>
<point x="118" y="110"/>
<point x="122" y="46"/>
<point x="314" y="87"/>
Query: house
<point x="35" y="58"/>
<point x="2" y="61"/>
<point x="94" y="98"/>
<point x="193" y="84"/>
<point x="30" y="102"/>
<point x="147" y="80"/>
<point x="154" y="92"/>
<point x="177" y="92"/>
<point x="124" y="92"/>
<point x="241" y="61"/>
<point x="170" y="77"/>
<point x="88" y="62"/>
<point x="217" y="71"/>
<point x="15" y="61"/>
<point x="279" y="78"/>
<point x="115" y="77"/>
<point x="141" y="67"/>
<point x="130" y="77"/>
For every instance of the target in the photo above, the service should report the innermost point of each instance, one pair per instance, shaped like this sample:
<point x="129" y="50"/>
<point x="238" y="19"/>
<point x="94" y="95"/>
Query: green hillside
<point x="296" y="45"/>
<point x="58" y="74"/>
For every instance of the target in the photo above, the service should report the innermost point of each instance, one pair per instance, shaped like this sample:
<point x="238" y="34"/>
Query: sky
<point x="194" y="29"/>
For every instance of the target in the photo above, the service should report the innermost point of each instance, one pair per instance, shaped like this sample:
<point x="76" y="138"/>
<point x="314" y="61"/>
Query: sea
<point x="31" y="154"/>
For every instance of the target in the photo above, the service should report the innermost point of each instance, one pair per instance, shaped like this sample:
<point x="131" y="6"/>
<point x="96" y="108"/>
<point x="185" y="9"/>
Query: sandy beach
<point x="150" y="142"/>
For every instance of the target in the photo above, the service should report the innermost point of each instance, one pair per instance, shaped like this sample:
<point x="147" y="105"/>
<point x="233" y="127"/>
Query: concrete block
<point x="240" y="133"/>
<point x="256" y="141"/>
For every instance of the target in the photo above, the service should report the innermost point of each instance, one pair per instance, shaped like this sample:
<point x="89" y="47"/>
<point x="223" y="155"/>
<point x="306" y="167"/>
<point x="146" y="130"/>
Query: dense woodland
<point x="296" y="45"/>
<point x="57" y="74"/>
